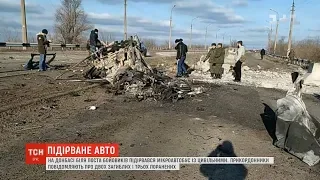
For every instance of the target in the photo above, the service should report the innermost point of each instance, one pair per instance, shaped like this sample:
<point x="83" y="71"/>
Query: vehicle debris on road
<point x="296" y="130"/>
<point x="123" y="66"/>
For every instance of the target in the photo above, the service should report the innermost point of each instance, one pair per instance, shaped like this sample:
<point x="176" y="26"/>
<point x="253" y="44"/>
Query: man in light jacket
<point x="239" y="60"/>
<point x="43" y="43"/>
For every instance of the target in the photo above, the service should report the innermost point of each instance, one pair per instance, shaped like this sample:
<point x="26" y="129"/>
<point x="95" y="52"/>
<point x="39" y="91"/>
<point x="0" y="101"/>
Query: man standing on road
<point x="219" y="60"/>
<point x="93" y="42"/>
<point x="43" y="43"/>
<point x="240" y="58"/>
<point x="182" y="50"/>
<point x="291" y="56"/>
<point x="262" y="53"/>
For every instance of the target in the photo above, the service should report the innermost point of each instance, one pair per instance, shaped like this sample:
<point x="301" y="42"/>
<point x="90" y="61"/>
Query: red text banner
<point x="37" y="153"/>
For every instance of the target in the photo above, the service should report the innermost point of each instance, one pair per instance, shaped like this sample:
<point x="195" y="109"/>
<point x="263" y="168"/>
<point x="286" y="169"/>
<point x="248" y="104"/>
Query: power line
<point x="24" y="23"/>
<point x="125" y="20"/>
<point x="291" y="28"/>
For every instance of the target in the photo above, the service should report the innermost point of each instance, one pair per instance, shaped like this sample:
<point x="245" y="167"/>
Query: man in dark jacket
<point x="93" y="41"/>
<point x="262" y="53"/>
<point x="211" y="57"/>
<point x="182" y="50"/>
<point x="43" y="43"/>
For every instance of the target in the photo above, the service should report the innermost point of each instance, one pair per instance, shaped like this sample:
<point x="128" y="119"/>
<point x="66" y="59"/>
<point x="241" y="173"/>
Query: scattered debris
<point x="296" y="130"/>
<point x="259" y="67"/>
<point x="78" y="134"/>
<point x="196" y="135"/>
<point x="75" y="94"/>
<point x="246" y="68"/>
<point x="200" y="109"/>
<point x="122" y="64"/>
<point x="89" y="100"/>
<point x="92" y="108"/>
<point x="30" y="128"/>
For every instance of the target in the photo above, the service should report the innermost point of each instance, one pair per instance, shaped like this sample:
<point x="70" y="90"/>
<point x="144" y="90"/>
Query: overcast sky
<point x="239" y="19"/>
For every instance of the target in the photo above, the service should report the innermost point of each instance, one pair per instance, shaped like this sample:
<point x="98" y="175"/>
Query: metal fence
<point x="304" y="63"/>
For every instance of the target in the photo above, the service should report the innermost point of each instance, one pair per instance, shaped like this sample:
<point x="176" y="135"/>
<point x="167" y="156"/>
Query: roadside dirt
<point x="191" y="127"/>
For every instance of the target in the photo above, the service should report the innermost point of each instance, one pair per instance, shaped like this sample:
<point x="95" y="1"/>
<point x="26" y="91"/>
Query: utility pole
<point x="191" y="32"/>
<point x="291" y="27"/>
<point x="171" y="27"/>
<point x="205" y="38"/>
<point x="223" y="38"/>
<point x="271" y="32"/>
<point x="125" y="20"/>
<point x="24" y="23"/>
<point x="217" y="35"/>
<point x="269" y="38"/>
<point x="276" y="36"/>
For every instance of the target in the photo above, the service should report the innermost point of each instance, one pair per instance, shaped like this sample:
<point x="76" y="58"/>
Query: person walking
<point x="43" y="43"/>
<point x="262" y="53"/>
<point x="240" y="58"/>
<point x="182" y="50"/>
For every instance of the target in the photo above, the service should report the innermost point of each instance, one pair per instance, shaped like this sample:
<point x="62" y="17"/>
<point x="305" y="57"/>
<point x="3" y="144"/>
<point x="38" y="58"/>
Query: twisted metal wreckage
<point x="123" y="66"/>
<point x="296" y="130"/>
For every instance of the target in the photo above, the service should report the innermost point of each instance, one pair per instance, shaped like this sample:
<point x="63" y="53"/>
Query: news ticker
<point x="106" y="157"/>
<point x="144" y="163"/>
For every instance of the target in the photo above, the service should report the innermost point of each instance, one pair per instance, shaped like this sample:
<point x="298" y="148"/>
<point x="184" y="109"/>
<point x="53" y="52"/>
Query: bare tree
<point x="11" y="35"/>
<point x="32" y="38"/>
<point x="71" y="21"/>
<point x="150" y="43"/>
<point x="233" y="43"/>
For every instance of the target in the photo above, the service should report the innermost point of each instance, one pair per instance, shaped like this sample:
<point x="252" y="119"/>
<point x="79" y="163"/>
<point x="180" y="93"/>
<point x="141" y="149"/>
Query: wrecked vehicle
<point x="296" y="130"/>
<point x="123" y="66"/>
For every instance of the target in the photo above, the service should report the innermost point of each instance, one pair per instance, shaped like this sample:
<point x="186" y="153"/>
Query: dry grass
<point x="305" y="49"/>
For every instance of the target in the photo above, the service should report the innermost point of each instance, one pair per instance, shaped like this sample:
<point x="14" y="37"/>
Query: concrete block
<point x="312" y="78"/>
<point x="230" y="54"/>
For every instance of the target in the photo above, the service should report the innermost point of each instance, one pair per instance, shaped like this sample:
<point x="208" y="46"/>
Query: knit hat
<point x="44" y="31"/>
